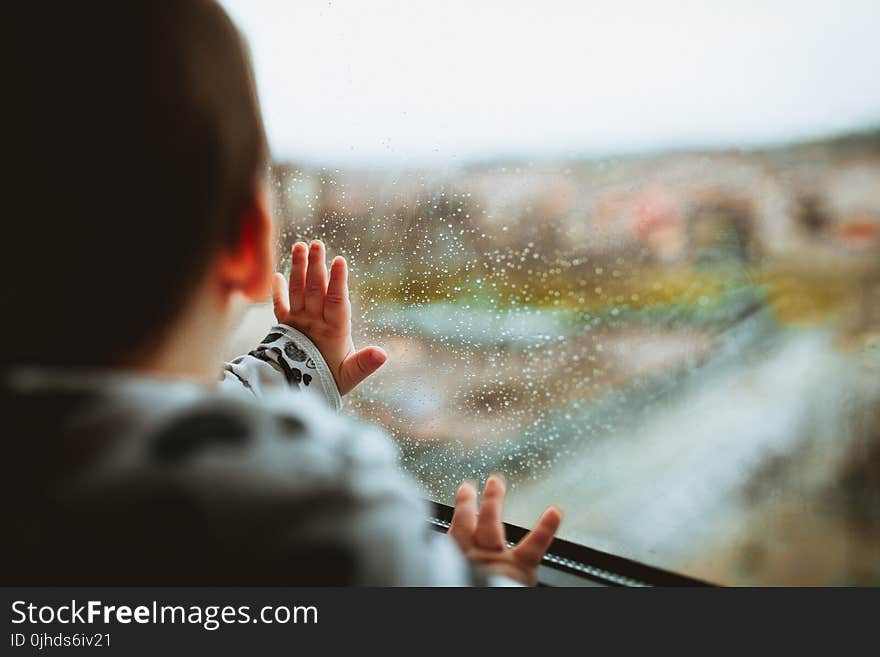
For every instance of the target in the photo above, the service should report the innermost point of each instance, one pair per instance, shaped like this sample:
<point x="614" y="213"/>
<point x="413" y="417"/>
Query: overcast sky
<point x="361" y="82"/>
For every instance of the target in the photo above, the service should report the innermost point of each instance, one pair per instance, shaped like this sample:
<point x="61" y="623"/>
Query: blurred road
<point x="674" y="480"/>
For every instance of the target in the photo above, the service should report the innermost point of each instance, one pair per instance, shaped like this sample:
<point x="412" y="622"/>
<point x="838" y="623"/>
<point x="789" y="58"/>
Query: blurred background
<point x="625" y="253"/>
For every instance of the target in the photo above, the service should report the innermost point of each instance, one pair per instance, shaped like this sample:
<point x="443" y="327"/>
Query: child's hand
<point x="481" y="536"/>
<point x="321" y="309"/>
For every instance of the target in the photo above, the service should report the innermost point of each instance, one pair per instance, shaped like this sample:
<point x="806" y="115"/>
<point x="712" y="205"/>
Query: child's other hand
<point x="318" y="306"/>
<point x="481" y="535"/>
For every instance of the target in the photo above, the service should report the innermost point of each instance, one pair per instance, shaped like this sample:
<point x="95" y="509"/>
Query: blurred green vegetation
<point x="800" y="296"/>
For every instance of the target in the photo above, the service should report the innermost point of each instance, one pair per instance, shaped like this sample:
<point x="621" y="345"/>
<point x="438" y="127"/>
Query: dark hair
<point x="144" y="144"/>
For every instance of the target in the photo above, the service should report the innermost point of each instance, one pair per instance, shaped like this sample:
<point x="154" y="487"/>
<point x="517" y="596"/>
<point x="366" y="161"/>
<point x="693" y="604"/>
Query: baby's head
<point x="149" y="170"/>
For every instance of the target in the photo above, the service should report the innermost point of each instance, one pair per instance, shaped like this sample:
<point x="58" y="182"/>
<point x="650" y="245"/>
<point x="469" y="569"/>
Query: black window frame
<point x="568" y="563"/>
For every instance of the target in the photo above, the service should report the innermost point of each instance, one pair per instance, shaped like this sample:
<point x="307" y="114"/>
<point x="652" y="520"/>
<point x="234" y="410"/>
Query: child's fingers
<point x="489" y="533"/>
<point x="316" y="280"/>
<point x="298" y="262"/>
<point x="337" y="309"/>
<point x="464" y="517"/>
<point x="358" y="366"/>
<point x="279" y="297"/>
<point x="530" y="550"/>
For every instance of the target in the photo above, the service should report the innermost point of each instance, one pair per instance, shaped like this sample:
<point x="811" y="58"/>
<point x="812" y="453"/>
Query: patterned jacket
<point x="119" y="478"/>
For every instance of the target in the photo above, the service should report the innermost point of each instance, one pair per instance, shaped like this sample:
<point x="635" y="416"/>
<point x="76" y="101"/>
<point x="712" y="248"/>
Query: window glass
<point x="625" y="253"/>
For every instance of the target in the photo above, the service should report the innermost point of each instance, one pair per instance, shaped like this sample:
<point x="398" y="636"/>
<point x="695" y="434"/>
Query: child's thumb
<point x="359" y="365"/>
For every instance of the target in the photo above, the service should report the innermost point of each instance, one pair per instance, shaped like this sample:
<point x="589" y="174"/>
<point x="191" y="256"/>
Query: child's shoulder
<point x="284" y="439"/>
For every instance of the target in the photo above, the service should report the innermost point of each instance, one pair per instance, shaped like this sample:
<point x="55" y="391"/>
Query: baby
<point x="128" y="462"/>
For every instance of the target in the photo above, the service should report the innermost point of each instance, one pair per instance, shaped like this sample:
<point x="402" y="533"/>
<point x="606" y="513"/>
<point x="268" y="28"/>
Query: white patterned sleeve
<point x="287" y="358"/>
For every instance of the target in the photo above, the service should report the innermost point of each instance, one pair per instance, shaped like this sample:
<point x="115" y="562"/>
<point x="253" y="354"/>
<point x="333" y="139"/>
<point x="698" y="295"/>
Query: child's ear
<point x="247" y="266"/>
